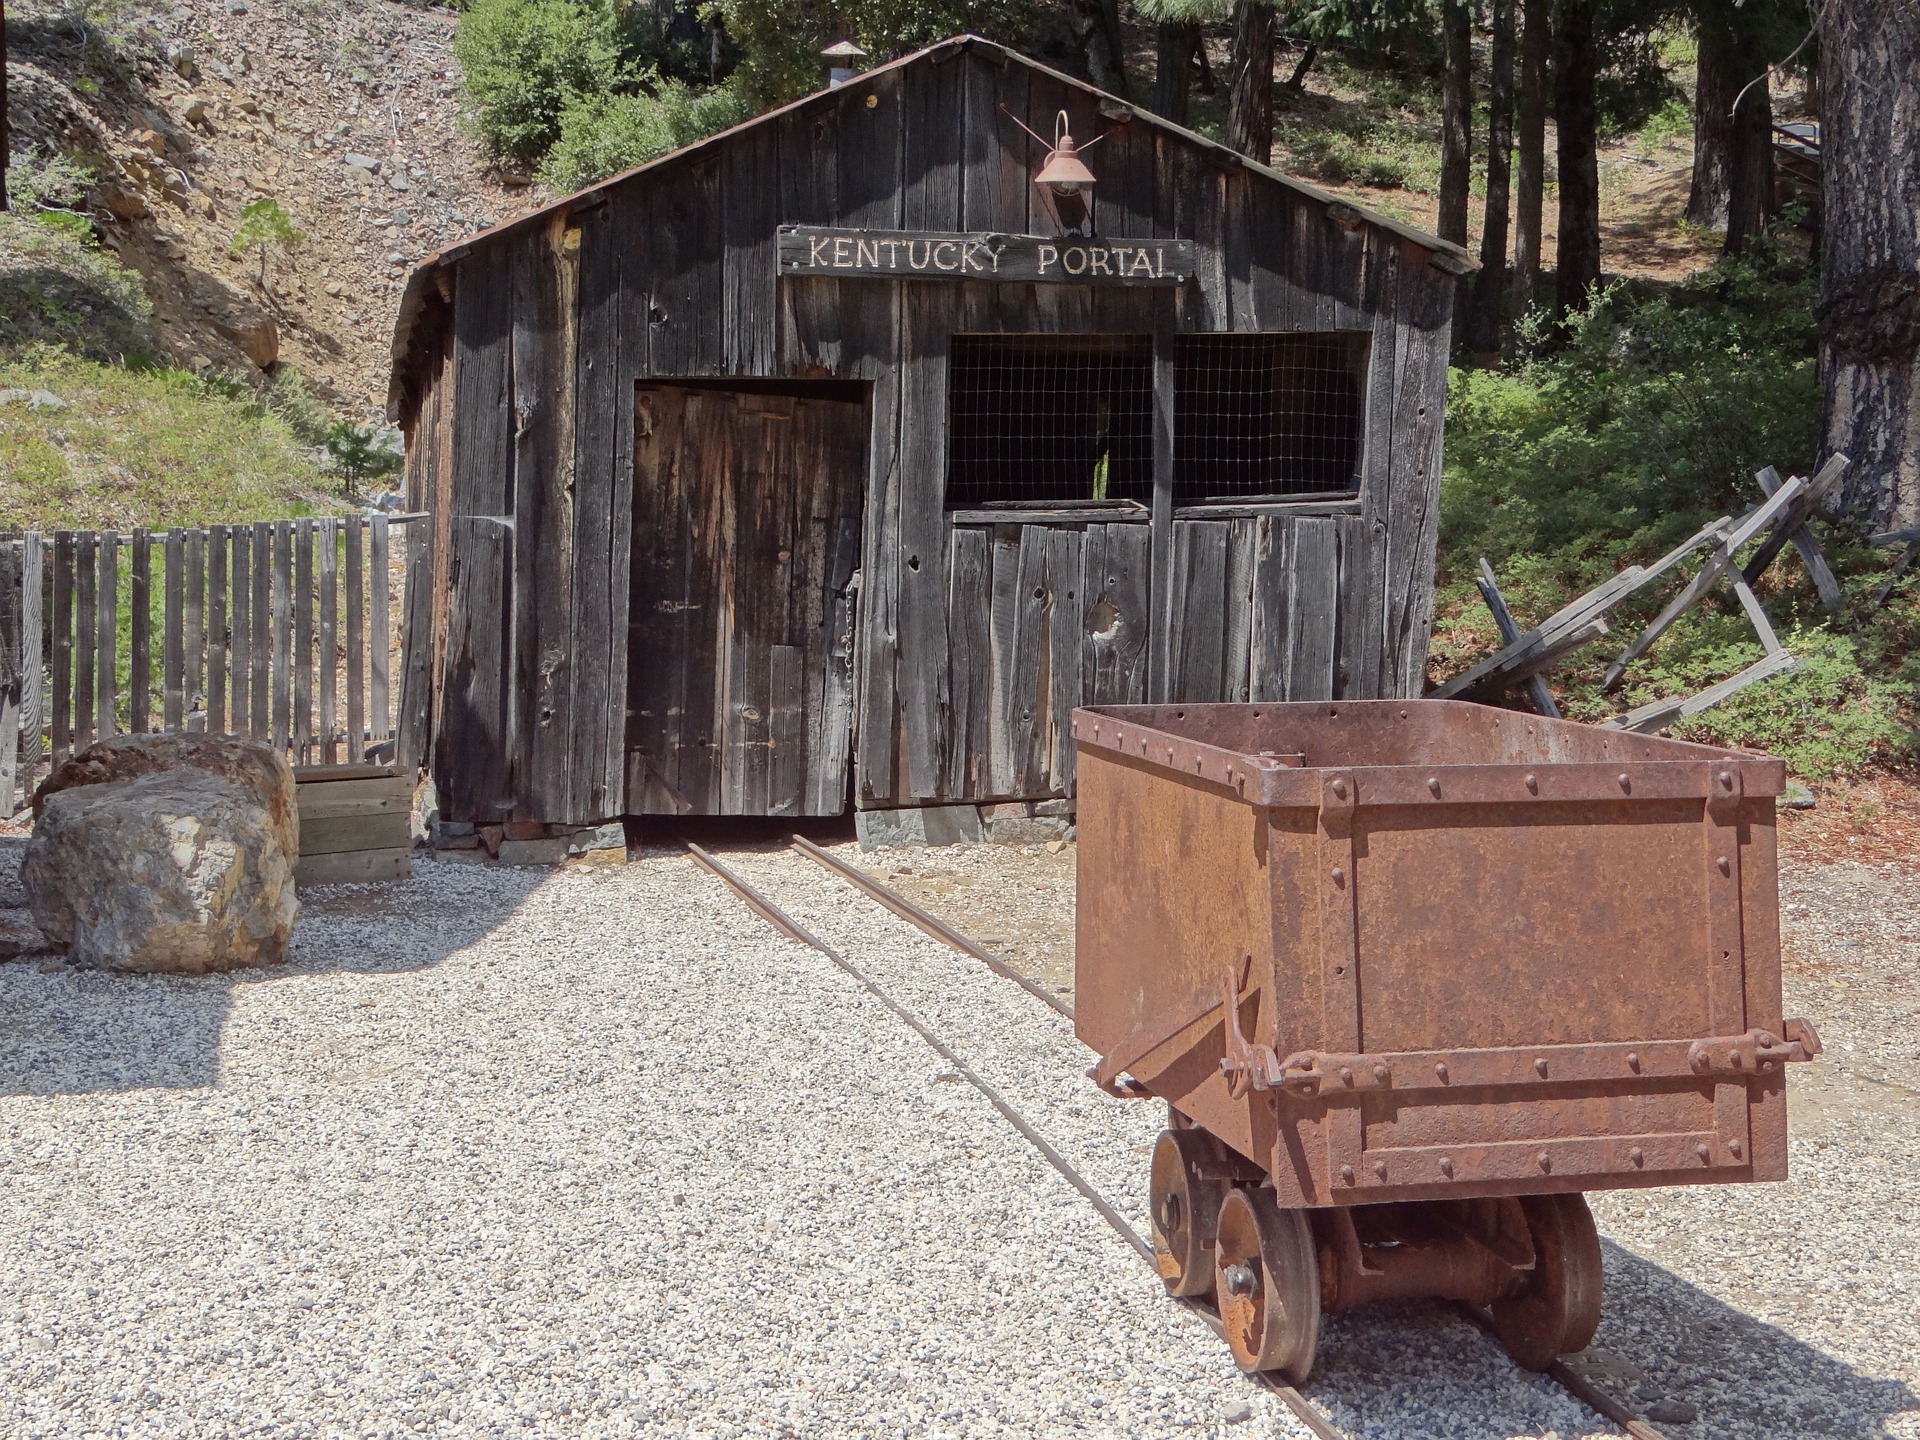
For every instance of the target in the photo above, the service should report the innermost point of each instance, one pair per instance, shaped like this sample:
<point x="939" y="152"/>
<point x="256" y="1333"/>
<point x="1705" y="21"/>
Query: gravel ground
<point x="600" y="1153"/>
<point x="595" y="1154"/>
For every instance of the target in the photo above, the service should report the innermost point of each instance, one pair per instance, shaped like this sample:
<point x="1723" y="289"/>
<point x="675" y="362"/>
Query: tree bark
<point x="1456" y="119"/>
<point x="1486" y="319"/>
<point x="1576" y="117"/>
<point x="1176" y="42"/>
<point x="1750" y="157"/>
<point x="1530" y="176"/>
<point x="1250" y="97"/>
<point x="1869" y="309"/>
<point x="1096" y="31"/>
<point x="1712" y="126"/>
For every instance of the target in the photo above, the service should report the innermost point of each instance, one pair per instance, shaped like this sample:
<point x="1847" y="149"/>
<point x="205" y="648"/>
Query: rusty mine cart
<point x="1413" y="975"/>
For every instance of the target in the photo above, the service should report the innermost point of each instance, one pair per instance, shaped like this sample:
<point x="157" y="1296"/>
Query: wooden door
<point x="746" y="515"/>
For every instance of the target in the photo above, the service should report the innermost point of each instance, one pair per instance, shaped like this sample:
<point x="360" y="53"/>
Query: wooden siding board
<point x="1268" y="667"/>
<point x="1003" y="622"/>
<point x="1377" y="477"/>
<point x="1314" y="592"/>
<point x="546" y="272"/>
<point x="1029" y="654"/>
<point x="1425" y="297"/>
<point x="684" y="230"/>
<point x="920" y="677"/>
<point x="970" y="663"/>
<point x="1198" y="609"/>
<point x="1065" y="623"/>
<point x="750" y="189"/>
<point x="1115" y="570"/>
<point x="1236" y="620"/>
<point x="472" y="759"/>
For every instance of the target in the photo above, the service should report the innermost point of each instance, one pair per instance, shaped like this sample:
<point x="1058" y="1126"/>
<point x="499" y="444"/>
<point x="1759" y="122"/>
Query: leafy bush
<point x="601" y="135"/>
<point x="525" y="61"/>
<point x="363" y="452"/>
<point x="1649" y="422"/>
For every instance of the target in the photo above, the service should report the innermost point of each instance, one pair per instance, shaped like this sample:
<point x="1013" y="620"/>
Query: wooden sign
<point x="1010" y="259"/>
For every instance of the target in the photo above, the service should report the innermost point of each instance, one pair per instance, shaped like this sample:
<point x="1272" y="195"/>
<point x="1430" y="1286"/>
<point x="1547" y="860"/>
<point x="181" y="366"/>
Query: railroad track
<point x="1634" y="1426"/>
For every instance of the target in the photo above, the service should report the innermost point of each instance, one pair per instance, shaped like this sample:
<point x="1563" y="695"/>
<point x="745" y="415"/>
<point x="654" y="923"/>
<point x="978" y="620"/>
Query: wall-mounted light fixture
<point x="845" y="58"/>
<point x="1064" y="172"/>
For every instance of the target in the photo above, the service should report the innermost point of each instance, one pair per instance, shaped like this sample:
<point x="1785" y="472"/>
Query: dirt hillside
<point x="345" y="113"/>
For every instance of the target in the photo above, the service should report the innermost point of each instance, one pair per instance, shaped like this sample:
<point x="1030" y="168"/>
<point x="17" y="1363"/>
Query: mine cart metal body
<point x="1394" y="951"/>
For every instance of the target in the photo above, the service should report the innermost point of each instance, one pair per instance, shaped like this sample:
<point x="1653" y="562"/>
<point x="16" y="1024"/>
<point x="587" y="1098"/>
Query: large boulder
<point x="166" y="853"/>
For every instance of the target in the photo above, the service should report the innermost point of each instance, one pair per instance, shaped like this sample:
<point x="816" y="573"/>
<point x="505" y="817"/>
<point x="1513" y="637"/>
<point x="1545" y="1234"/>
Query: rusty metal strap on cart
<point x="1752" y="1055"/>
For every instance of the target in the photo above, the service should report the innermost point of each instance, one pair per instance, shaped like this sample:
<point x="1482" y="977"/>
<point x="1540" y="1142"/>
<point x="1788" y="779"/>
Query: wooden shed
<point x="832" y="461"/>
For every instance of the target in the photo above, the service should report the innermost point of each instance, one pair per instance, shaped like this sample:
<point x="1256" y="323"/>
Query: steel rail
<point x="788" y="926"/>
<point x="1570" y="1380"/>
<point x="932" y="924"/>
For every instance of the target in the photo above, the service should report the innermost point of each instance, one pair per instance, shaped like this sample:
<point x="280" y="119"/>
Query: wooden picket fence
<point x="280" y="630"/>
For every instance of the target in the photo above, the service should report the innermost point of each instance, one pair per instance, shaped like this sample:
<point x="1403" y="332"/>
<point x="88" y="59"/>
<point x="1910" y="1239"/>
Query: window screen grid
<point x="1258" y="415"/>
<point x="1049" y="418"/>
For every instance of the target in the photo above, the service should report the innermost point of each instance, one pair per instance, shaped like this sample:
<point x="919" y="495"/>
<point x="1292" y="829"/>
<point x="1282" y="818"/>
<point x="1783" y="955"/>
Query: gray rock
<point x="19" y="936"/>
<point x="611" y="836"/>
<point x="1798" y="796"/>
<point x="400" y="217"/>
<point x="34" y="399"/>
<point x="1052" y="809"/>
<point x="1036" y="831"/>
<point x="923" y="825"/>
<point x="180" y="871"/>
<point x="1673" y="1412"/>
<point x="549" y="851"/>
<point x="1238" y="1413"/>
<point x="362" y="162"/>
<point x="399" y="182"/>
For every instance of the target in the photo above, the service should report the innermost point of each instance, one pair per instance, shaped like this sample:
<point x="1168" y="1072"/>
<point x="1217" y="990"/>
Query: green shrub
<point x="59" y="289"/>
<point x="1649" y="422"/>
<point x="601" y="135"/>
<point x="525" y="61"/>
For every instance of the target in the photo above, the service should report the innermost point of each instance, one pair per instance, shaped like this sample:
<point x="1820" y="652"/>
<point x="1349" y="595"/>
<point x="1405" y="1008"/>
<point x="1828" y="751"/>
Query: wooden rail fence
<point x="280" y="630"/>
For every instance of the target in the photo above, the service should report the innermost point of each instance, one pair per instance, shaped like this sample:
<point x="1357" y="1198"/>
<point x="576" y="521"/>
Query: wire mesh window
<point x="1268" y="415"/>
<point x="1049" y="419"/>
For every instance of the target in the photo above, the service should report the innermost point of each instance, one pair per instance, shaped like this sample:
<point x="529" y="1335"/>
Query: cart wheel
<point x="1185" y="1206"/>
<point x="1560" y="1308"/>
<point x="1266" y="1276"/>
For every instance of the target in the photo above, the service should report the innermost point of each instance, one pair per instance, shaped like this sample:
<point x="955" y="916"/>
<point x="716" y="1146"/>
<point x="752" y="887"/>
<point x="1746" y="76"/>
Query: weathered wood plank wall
<point x="971" y="642"/>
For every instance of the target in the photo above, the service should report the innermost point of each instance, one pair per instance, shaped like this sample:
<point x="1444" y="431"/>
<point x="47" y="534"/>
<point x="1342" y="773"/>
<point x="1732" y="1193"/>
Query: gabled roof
<point x="421" y="282"/>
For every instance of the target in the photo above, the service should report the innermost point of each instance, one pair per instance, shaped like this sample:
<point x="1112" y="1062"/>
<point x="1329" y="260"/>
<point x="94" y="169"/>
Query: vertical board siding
<point x="473" y="724"/>
<point x="950" y="655"/>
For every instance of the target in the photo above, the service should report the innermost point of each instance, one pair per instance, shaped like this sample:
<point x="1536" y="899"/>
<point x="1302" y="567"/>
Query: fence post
<point x="356" y="647"/>
<point x="173" y="689"/>
<point x="86" y="635"/>
<point x="260" y="646"/>
<point x="218" y="640"/>
<point x="32" y="640"/>
<point x="329" y="640"/>
<point x="302" y="729"/>
<point x="63" y="578"/>
<point x="12" y="663"/>
<point x="140" y="631"/>
<point x="104" y="652"/>
<point x="379" y="651"/>
<point x="282" y="662"/>
<point x="193" y="638"/>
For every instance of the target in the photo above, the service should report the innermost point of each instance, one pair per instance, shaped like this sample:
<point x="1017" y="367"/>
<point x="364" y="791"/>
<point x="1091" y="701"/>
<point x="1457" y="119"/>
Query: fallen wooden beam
<point x="1831" y="595"/>
<point x="1658" y="714"/>
<point x="1509" y="630"/>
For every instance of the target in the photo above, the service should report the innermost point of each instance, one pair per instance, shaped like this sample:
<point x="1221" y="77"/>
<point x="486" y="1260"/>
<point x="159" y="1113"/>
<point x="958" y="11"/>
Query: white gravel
<point x="601" y="1154"/>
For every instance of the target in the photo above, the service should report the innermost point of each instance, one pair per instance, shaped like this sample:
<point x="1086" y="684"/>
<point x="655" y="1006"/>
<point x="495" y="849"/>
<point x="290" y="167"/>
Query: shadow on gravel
<point x="1662" y="1339"/>
<point x="1745" y="1376"/>
<point x="68" y="1032"/>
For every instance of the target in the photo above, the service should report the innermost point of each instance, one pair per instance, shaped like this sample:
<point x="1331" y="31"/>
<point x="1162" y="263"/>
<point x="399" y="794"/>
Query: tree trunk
<point x="1297" y="81"/>
<point x="1487" y="318"/>
<point x="1250" y="98"/>
<point x="1750" y="157"/>
<point x="1870" y="252"/>
<point x="1530" y="177"/>
<point x="1712" y="124"/>
<point x="1175" y="44"/>
<point x="1575" y="114"/>
<point x="1096" y="31"/>
<point x="1456" y="120"/>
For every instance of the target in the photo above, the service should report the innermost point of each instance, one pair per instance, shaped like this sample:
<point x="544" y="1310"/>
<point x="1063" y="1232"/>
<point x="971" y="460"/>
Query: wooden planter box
<point x="354" y="824"/>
